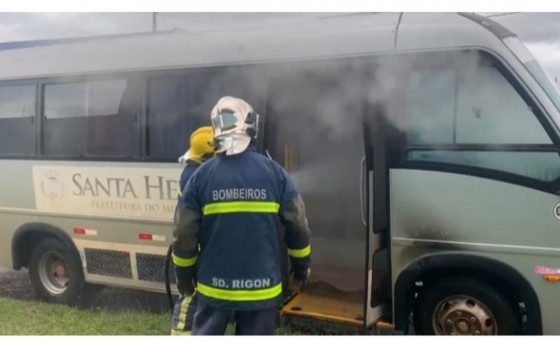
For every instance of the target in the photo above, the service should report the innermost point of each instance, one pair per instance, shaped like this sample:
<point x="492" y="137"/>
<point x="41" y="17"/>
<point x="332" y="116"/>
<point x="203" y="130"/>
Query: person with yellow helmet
<point x="201" y="148"/>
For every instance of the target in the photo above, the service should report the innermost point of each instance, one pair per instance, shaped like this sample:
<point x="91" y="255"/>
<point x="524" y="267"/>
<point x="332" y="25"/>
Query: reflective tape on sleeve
<point x="300" y="253"/>
<point x="184" y="262"/>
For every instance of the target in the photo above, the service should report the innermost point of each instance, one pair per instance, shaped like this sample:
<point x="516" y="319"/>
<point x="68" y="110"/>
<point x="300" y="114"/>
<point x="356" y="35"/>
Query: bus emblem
<point x="51" y="187"/>
<point x="556" y="211"/>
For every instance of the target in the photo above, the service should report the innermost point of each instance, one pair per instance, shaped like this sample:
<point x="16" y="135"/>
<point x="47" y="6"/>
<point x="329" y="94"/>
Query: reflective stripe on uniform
<point x="240" y="207"/>
<point x="183" y="314"/>
<point x="178" y="332"/>
<point x="240" y="295"/>
<point x="300" y="253"/>
<point x="179" y="193"/>
<point x="184" y="262"/>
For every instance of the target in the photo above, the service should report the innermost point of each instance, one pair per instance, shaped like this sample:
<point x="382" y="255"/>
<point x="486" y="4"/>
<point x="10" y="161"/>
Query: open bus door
<point x="330" y="153"/>
<point x="376" y="172"/>
<point x="339" y="306"/>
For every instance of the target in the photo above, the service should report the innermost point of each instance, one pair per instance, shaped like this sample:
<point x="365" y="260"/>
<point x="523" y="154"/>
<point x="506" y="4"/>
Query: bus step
<point x="338" y="307"/>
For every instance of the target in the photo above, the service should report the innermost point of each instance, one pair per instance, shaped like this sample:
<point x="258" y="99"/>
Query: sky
<point x="539" y="31"/>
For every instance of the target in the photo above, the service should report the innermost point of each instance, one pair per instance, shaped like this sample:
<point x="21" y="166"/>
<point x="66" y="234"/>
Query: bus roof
<point x="67" y="40"/>
<point x="342" y="35"/>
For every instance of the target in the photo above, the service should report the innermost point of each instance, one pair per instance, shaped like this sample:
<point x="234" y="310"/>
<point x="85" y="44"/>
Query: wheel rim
<point x="53" y="272"/>
<point x="463" y="315"/>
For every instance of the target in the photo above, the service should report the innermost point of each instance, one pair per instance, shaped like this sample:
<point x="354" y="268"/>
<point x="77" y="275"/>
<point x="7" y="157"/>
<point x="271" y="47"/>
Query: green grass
<point x="36" y="318"/>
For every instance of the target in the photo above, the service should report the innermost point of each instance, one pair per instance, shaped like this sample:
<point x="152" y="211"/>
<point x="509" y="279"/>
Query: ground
<point x="16" y="284"/>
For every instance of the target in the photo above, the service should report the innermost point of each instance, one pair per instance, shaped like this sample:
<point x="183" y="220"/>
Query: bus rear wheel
<point x="55" y="272"/>
<point x="464" y="306"/>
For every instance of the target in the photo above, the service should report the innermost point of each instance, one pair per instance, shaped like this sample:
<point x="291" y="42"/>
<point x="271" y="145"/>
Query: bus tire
<point x="56" y="272"/>
<point x="464" y="306"/>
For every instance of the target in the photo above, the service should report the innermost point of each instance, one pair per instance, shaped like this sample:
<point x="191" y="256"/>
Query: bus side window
<point x="113" y="109"/>
<point x="64" y="114"/>
<point x="457" y="114"/>
<point x="180" y="103"/>
<point x="17" y="111"/>
<point x="490" y="111"/>
<point x="90" y="118"/>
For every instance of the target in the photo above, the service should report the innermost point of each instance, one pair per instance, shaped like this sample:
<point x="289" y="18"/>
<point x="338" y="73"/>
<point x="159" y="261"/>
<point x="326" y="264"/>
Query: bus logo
<point x="556" y="211"/>
<point x="51" y="187"/>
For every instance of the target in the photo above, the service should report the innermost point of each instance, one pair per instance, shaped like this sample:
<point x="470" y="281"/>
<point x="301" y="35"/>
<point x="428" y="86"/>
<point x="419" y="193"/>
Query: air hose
<point x="167" y="279"/>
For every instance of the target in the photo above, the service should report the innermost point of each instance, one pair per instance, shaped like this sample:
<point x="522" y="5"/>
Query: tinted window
<point x="180" y="104"/>
<point x="17" y="101"/>
<point x="17" y="125"/>
<point x="466" y="100"/>
<point x="65" y="100"/>
<point x="430" y="104"/>
<point x="490" y="111"/>
<point x="93" y="118"/>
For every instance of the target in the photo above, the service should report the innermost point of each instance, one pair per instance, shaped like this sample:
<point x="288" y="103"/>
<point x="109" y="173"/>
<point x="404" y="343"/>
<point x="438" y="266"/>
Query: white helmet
<point x="235" y="125"/>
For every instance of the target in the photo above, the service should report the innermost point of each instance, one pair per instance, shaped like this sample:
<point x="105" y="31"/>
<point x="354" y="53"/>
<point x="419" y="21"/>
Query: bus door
<point x="375" y="206"/>
<point x="314" y="128"/>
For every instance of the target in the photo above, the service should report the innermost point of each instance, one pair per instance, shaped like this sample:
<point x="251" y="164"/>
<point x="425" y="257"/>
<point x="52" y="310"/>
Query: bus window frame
<point x="136" y="78"/>
<point x="538" y="111"/>
<point x="35" y="119"/>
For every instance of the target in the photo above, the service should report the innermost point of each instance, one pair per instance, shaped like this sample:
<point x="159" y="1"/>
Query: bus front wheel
<point x="464" y="306"/>
<point x="55" y="272"/>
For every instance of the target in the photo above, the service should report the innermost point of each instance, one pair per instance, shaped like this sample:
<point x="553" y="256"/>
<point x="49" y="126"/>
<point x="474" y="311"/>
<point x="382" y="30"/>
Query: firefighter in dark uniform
<point x="201" y="148"/>
<point x="228" y="230"/>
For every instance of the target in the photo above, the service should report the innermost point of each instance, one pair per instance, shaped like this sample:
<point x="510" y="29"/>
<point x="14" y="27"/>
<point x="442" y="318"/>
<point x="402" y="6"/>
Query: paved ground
<point x="16" y="284"/>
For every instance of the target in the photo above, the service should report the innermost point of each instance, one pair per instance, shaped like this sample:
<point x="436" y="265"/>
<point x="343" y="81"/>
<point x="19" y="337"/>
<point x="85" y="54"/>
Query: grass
<point x="37" y="318"/>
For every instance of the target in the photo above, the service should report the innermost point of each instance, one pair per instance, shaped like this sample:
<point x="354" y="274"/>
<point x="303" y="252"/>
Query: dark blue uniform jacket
<point x="234" y="207"/>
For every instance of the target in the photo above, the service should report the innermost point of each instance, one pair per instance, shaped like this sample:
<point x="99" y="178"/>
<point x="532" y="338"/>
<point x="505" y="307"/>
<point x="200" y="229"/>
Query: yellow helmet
<point x="201" y="144"/>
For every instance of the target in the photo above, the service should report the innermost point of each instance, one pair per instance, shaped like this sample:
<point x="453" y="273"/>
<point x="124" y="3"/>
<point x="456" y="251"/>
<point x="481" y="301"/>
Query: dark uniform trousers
<point x="209" y="320"/>
<point x="183" y="311"/>
<point x="183" y="315"/>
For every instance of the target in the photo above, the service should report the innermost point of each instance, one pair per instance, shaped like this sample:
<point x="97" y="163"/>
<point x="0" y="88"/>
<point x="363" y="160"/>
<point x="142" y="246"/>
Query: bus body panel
<point x="437" y="211"/>
<point x="95" y="212"/>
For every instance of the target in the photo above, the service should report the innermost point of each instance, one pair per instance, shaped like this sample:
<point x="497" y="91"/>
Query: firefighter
<point x="201" y="148"/>
<point x="233" y="207"/>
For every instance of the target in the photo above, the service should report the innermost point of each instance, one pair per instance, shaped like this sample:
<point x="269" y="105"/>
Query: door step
<point x="324" y="302"/>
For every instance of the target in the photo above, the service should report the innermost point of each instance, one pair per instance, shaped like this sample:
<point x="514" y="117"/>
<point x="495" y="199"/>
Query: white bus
<point x="426" y="147"/>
